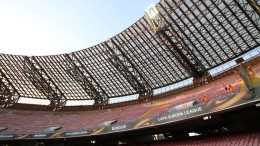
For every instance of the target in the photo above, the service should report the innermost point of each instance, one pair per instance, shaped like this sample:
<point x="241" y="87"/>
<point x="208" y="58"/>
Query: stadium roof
<point x="196" y="36"/>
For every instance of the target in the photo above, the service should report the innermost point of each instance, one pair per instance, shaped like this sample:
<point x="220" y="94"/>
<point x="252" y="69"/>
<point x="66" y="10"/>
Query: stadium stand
<point x="182" y="40"/>
<point x="213" y="90"/>
<point x="237" y="139"/>
<point x="37" y="121"/>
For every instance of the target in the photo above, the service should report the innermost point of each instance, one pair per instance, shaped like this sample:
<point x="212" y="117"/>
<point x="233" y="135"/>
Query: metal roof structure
<point x="186" y="39"/>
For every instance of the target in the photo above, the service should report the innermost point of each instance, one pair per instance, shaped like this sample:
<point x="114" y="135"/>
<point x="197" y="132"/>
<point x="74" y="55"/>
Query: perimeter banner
<point x="75" y="133"/>
<point x="233" y="100"/>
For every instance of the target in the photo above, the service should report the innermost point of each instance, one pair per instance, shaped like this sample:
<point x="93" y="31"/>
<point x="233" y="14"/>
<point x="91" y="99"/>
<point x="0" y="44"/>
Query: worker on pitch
<point x="205" y="98"/>
<point x="250" y="71"/>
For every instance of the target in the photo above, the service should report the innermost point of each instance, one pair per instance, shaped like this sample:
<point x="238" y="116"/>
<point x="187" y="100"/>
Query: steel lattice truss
<point x="198" y="35"/>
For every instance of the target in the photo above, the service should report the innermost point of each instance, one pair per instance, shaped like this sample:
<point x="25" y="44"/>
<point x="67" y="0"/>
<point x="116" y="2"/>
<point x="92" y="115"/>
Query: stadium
<point x="186" y="73"/>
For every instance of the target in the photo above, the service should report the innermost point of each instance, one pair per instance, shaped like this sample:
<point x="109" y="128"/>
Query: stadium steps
<point x="45" y="124"/>
<point x="150" y="111"/>
<point x="111" y="117"/>
<point x="77" y="124"/>
<point x="13" y="119"/>
<point x="236" y="139"/>
<point x="39" y="124"/>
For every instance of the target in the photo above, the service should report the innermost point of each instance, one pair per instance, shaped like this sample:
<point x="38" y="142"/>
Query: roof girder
<point x="81" y="75"/>
<point x="8" y="94"/>
<point x="42" y="81"/>
<point x="123" y="64"/>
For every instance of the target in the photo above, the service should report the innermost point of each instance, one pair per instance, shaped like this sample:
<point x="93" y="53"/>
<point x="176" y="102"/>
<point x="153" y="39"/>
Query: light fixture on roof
<point x="152" y="12"/>
<point x="154" y="18"/>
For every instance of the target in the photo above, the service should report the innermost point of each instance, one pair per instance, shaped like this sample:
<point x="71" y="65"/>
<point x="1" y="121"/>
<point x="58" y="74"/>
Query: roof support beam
<point x="145" y="25"/>
<point x="254" y="5"/>
<point x="152" y="50"/>
<point x="123" y="64"/>
<point x="8" y="94"/>
<point x="204" y="27"/>
<point x="182" y="32"/>
<point x="220" y="23"/>
<point x="77" y="70"/>
<point x="186" y="58"/>
<point x="42" y="81"/>
<point x="245" y="28"/>
<point x="256" y="9"/>
<point x="214" y="28"/>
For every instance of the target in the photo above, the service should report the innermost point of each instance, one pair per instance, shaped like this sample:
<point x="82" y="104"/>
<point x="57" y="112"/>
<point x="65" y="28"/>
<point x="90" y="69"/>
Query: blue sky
<point x="46" y="27"/>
